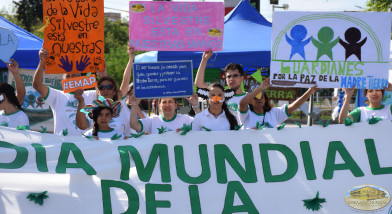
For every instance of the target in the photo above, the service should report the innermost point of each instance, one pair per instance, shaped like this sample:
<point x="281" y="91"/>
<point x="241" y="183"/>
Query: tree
<point x="29" y="12"/>
<point x="379" y="5"/>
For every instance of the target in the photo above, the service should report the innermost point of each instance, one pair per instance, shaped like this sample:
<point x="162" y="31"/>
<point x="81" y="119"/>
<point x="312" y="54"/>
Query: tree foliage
<point x="29" y="12"/>
<point x="379" y="5"/>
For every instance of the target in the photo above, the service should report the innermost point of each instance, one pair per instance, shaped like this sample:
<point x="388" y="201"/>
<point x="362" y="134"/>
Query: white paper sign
<point x="331" y="50"/>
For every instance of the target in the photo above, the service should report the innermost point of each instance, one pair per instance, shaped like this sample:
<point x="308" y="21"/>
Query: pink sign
<point x="176" y="26"/>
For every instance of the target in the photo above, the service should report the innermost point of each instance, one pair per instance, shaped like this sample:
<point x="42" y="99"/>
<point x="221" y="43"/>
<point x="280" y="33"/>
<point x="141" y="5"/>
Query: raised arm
<point x="39" y="74"/>
<point x="128" y="71"/>
<point x="298" y="103"/>
<point x="248" y="98"/>
<point x="20" y="88"/>
<point x="344" y="110"/>
<point x="81" y="121"/>
<point x="199" y="80"/>
<point x="194" y="101"/>
<point x="134" y="110"/>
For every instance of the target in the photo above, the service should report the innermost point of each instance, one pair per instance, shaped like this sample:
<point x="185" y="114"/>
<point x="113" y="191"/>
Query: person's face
<point x="374" y="95"/>
<point x="258" y="102"/>
<point x="168" y="105"/>
<point x="106" y="89"/>
<point x="234" y="79"/>
<point x="104" y="117"/>
<point x="70" y="76"/>
<point x="216" y="97"/>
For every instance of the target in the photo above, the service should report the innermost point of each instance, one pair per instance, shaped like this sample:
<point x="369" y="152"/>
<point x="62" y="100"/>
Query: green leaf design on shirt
<point x="205" y="128"/>
<point x="139" y="134"/>
<point x="281" y="126"/>
<point x="23" y="127"/>
<point x="161" y="130"/>
<point x="186" y="128"/>
<point x="116" y="136"/>
<point x="65" y="132"/>
<point x="348" y="121"/>
<point x="374" y="120"/>
<point x="298" y="124"/>
<point x="43" y="129"/>
<point x="324" y="124"/>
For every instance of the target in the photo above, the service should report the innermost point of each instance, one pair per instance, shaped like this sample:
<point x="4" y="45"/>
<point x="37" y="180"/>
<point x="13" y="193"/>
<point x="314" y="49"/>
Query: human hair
<point x="160" y="99"/>
<point x="366" y="90"/>
<point x="230" y="117"/>
<point x="267" y="106"/>
<point x="130" y="88"/>
<point x="115" y="97"/>
<point x="233" y="66"/>
<point x="9" y="92"/>
<point x="95" y="114"/>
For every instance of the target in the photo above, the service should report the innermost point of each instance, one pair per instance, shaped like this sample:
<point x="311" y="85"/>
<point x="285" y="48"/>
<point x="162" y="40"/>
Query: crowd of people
<point x="110" y="111"/>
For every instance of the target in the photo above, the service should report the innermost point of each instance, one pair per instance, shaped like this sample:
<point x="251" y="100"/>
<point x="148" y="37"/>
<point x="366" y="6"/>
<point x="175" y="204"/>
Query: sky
<point x="265" y="7"/>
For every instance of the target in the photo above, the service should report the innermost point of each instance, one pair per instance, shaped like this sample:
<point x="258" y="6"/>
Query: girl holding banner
<point x="11" y="112"/>
<point x="101" y="111"/>
<point x="375" y="107"/>
<point x="217" y="117"/>
<point x="168" y="121"/>
<point x="262" y="113"/>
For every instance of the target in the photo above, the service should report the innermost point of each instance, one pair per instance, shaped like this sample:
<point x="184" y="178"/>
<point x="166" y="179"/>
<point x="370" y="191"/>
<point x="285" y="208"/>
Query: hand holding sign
<point x="13" y="66"/>
<point x="8" y="44"/>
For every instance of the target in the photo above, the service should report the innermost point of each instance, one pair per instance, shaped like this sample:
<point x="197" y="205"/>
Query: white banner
<point x="331" y="50"/>
<point x="250" y="171"/>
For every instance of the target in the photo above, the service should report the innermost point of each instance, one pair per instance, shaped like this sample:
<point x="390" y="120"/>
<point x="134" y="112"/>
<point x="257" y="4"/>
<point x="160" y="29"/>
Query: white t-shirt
<point x="105" y="135"/>
<point x="234" y="103"/>
<point x="64" y="107"/>
<point x="207" y="120"/>
<point x="14" y="120"/>
<point x="274" y="117"/>
<point x="127" y="118"/>
<point x="363" y="114"/>
<point x="152" y="124"/>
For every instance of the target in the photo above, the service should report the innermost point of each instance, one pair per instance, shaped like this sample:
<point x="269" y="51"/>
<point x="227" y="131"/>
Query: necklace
<point x="213" y="113"/>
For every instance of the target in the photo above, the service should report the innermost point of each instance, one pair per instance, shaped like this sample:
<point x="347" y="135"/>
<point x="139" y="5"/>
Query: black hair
<point x="95" y="114"/>
<point x="366" y="90"/>
<point x="267" y="106"/>
<point x="116" y="90"/>
<point x="233" y="66"/>
<point x="9" y="92"/>
<point x="230" y="117"/>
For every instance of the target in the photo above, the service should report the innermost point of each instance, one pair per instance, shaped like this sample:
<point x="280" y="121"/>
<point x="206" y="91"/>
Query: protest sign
<point x="8" y="44"/>
<point x="330" y="50"/>
<point x="275" y="93"/>
<point x="74" y="36"/>
<point x="176" y="26"/>
<point x="250" y="171"/>
<point x="163" y="79"/>
<point x="83" y="82"/>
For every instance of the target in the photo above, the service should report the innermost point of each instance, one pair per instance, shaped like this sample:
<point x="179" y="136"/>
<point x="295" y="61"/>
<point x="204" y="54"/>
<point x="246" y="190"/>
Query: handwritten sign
<point x="163" y="79"/>
<point x="176" y="26"/>
<point x="83" y="82"/>
<point x="8" y="44"/>
<point x="331" y="50"/>
<point x="74" y="35"/>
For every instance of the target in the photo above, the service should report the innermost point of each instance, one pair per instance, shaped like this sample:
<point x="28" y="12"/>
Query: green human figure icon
<point x="324" y="45"/>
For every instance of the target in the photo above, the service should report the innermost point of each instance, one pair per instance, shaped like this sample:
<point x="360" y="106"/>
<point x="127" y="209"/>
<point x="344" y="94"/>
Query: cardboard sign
<point x="8" y="44"/>
<point x="163" y="79"/>
<point x="83" y="82"/>
<point x="265" y="171"/>
<point x="176" y="26"/>
<point x="282" y="93"/>
<point x="74" y="36"/>
<point x="331" y="50"/>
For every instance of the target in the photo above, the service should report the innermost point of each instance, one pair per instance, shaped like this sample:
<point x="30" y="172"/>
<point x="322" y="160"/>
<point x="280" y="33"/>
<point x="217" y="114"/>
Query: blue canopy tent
<point x="29" y="45"/>
<point x="246" y="41"/>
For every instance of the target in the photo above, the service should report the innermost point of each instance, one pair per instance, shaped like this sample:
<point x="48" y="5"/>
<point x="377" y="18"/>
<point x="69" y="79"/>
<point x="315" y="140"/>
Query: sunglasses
<point x="107" y="87"/>
<point x="232" y="76"/>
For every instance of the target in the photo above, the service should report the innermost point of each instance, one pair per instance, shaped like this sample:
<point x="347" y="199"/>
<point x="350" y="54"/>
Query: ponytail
<point x="230" y="117"/>
<point x="9" y="92"/>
